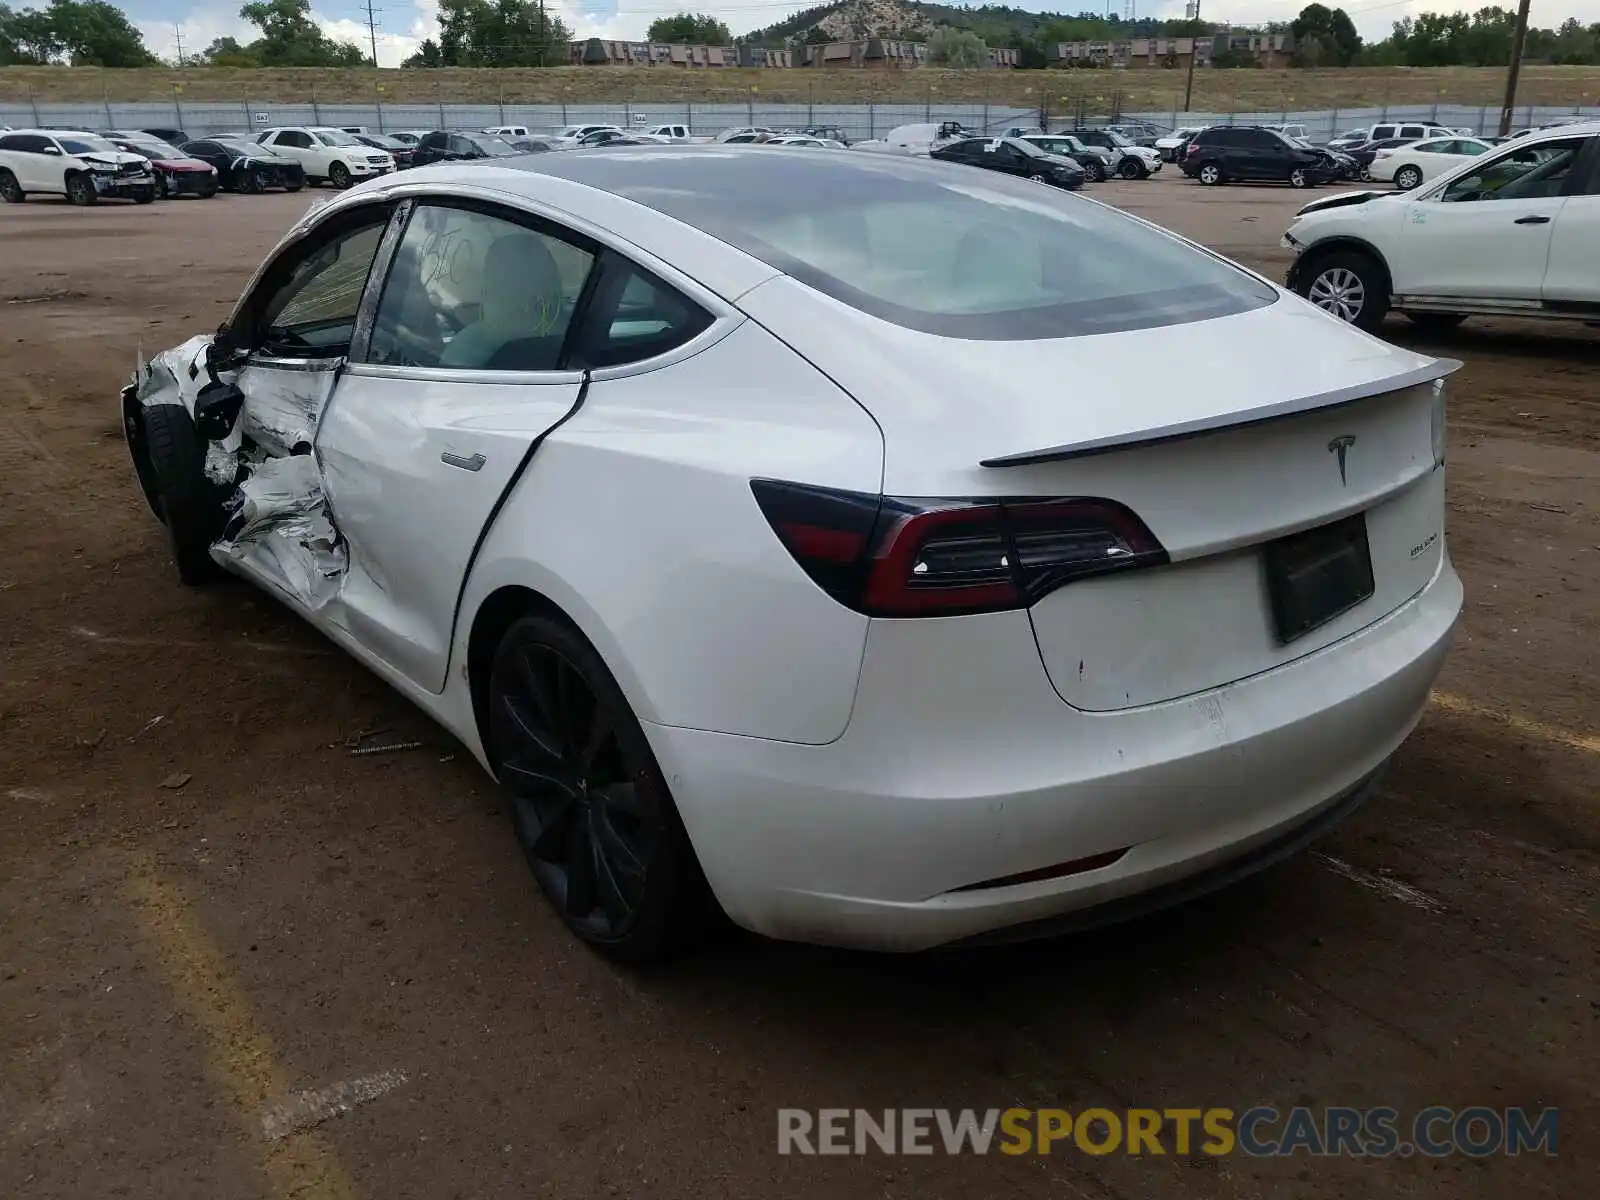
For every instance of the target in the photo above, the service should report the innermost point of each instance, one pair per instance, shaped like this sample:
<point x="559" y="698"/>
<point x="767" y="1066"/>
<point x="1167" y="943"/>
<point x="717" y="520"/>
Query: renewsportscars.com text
<point x="1261" y="1131"/>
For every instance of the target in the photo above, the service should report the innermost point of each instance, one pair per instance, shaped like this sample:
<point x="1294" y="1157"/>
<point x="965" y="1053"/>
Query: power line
<point x="372" y="29"/>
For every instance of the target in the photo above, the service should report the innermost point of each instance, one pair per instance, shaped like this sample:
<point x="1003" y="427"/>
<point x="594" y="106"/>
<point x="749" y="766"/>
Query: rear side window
<point x="477" y="292"/>
<point x="1413" y="131"/>
<point x="1379" y="132"/>
<point x="635" y="316"/>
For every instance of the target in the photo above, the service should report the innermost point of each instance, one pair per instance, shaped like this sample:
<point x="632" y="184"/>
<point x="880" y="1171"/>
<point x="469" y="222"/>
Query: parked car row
<point x="1510" y="230"/>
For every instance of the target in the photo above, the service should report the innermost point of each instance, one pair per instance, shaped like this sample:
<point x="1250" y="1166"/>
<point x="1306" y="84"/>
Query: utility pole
<point x="372" y="30"/>
<point x="177" y="31"/>
<point x="544" y="33"/>
<point x="1516" y="67"/>
<point x="1193" y="13"/>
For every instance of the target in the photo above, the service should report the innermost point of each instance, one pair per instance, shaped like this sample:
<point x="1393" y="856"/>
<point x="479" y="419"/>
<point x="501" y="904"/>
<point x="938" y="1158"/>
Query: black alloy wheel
<point x="249" y="181"/>
<point x="590" y="806"/>
<point x="80" y="190"/>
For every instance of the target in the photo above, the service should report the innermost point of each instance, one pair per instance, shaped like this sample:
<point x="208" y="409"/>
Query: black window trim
<point x="724" y="317"/>
<point x="270" y="276"/>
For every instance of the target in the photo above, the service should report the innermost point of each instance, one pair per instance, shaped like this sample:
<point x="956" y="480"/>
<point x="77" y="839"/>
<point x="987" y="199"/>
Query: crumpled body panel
<point x="278" y="521"/>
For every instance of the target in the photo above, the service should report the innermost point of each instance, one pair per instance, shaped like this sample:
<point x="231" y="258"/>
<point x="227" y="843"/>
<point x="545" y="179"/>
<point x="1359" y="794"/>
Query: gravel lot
<point x="208" y="905"/>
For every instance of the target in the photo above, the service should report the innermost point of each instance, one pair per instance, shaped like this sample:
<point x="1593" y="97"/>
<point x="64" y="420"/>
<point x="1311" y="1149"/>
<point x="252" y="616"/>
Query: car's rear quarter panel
<point x="637" y="519"/>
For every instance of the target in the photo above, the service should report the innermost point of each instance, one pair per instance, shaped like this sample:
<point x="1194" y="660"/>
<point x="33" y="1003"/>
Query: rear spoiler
<point x="1433" y="372"/>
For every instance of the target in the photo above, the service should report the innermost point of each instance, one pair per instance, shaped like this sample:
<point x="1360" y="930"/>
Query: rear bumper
<point x="961" y="765"/>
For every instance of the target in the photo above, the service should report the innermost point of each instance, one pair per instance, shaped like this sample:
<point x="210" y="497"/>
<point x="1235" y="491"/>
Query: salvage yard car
<point x="1013" y="156"/>
<point x="1252" y="154"/>
<point x="729" y="508"/>
<point x="247" y="166"/>
<point x="1514" y="231"/>
<point x="1414" y="163"/>
<point x="83" y="167"/>
<point x="176" y="173"/>
<point x="327" y="155"/>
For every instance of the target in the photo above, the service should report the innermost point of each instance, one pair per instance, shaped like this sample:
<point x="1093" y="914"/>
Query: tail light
<point x="1383" y="154"/>
<point x="892" y="557"/>
<point x="1191" y="148"/>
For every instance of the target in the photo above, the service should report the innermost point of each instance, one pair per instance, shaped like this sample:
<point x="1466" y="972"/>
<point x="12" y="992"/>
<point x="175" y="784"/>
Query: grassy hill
<point x="1154" y="90"/>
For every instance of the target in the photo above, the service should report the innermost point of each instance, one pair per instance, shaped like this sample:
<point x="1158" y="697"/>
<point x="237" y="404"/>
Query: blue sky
<point x="403" y="23"/>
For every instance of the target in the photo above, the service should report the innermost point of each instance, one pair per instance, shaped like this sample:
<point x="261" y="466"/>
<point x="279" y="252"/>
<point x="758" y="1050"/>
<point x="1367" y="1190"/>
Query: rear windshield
<point x="947" y="250"/>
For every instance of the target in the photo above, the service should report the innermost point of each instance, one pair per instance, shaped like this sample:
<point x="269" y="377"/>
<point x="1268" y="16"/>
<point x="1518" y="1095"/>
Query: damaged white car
<point x="786" y="530"/>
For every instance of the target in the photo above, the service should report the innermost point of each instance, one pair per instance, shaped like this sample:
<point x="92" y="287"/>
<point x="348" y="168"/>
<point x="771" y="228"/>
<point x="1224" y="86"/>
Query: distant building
<point x="882" y="54"/>
<point x="600" y="52"/>
<point x="1269" y="50"/>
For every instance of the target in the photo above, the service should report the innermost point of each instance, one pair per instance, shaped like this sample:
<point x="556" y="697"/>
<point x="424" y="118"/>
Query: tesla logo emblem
<point x="1341" y="446"/>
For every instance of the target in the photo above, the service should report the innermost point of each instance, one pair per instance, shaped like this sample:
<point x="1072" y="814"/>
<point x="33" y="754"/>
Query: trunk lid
<point x="1222" y="435"/>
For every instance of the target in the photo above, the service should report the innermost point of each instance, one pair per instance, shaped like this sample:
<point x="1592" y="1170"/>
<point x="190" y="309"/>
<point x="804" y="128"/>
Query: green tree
<point x="227" y="52"/>
<point x="694" y="29"/>
<point x="89" y="33"/>
<point x="290" y="38"/>
<point x="1327" y="35"/>
<point x="957" y="48"/>
<point x="27" y="38"/>
<point x="500" y="33"/>
<point x="428" y="55"/>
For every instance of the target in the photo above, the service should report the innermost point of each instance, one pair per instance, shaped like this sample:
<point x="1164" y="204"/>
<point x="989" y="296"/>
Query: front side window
<point x="1534" y="172"/>
<point x="473" y="291"/>
<point x="433" y="141"/>
<point x="312" y="312"/>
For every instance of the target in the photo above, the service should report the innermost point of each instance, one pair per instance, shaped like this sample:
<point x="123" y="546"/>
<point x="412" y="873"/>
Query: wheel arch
<point x="500" y="609"/>
<point x="1342" y="243"/>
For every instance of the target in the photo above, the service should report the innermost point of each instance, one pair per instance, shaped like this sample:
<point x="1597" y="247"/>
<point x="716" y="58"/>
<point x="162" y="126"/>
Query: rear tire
<point x="190" y="505"/>
<point x="1210" y="175"/>
<point x="10" y="190"/>
<point x="161" y="187"/>
<point x="1094" y="170"/>
<point x="1407" y="178"/>
<point x="590" y="805"/>
<point x="80" y="190"/>
<point x="339" y="176"/>
<point x="1349" y="285"/>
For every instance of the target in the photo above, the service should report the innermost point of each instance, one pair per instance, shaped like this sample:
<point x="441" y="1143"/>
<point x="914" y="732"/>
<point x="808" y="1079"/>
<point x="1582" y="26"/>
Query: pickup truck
<point x="666" y="133"/>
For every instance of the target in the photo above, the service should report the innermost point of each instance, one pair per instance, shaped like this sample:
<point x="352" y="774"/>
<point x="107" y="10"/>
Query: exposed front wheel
<point x="1095" y="171"/>
<point x="1131" y="168"/>
<point x="590" y="806"/>
<point x="161" y="186"/>
<point x="339" y="176"/>
<point x="1210" y="174"/>
<point x="10" y="190"/>
<point x="1350" y="286"/>
<point x="1299" y="179"/>
<point x="1407" y="178"/>
<point x="188" y="503"/>
<point x="80" y="190"/>
<point x="250" y="183"/>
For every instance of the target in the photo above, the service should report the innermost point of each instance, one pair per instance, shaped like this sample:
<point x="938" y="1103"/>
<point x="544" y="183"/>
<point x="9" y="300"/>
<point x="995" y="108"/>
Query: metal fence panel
<point x="858" y="121"/>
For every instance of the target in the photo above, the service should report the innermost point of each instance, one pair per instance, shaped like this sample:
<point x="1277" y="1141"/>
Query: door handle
<point x="1532" y="221"/>
<point x="467" y="463"/>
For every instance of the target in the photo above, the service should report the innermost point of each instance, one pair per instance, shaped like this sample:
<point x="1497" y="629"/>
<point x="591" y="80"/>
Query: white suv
<point x="1514" y="232"/>
<point x="83" y="167"/>
<point x="326" y="154"/>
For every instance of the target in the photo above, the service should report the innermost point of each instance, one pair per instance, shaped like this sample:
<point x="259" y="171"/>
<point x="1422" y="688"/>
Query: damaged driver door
<point x="285" y="347"/>
<point x="439" y="411"/>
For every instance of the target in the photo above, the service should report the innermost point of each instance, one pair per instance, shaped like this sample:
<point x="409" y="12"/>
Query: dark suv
<point x="1252" y="154"/>
<point x="1014" y="157"/>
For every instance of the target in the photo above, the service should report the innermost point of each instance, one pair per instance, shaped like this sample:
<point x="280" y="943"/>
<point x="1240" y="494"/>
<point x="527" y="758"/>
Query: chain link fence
<point x="856" y="121"/>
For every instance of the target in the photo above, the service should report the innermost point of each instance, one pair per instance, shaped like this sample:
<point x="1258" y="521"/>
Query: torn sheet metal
<point x="281" y="407"/>
<point x="282" y="526"/>
<point x="174" y="376"/>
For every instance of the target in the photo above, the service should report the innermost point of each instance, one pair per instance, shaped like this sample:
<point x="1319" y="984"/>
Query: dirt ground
<point x="208" y="905"/>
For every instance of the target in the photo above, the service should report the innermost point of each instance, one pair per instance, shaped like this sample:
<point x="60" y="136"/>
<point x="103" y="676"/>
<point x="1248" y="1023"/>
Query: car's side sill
<point x="1553" y="310"/>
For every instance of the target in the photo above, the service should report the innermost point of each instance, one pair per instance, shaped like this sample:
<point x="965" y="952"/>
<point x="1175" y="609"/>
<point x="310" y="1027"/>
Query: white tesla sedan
<point x="787" y="530"/>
